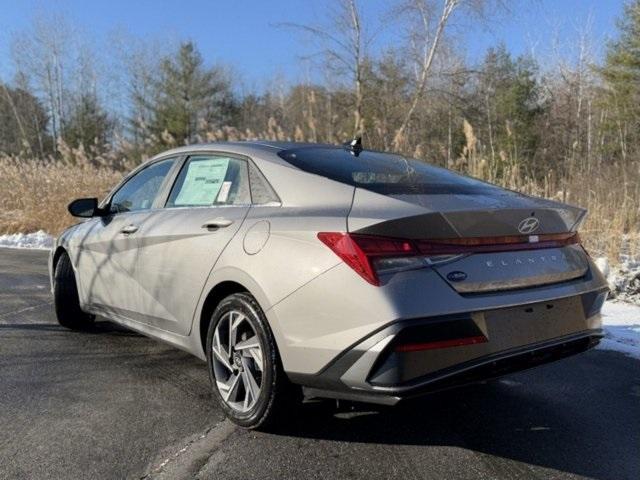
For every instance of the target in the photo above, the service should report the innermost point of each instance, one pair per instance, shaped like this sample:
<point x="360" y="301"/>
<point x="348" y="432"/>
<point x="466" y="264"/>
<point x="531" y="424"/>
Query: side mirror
<point x="84" y="208"/>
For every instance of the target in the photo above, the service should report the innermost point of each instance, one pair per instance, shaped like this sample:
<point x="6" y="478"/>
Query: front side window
<point x="139" y="192"/>
<point x="210" y="180"/>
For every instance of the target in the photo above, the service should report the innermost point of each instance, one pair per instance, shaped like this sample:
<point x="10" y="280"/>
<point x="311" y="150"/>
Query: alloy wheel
<point x="237" y="361"/>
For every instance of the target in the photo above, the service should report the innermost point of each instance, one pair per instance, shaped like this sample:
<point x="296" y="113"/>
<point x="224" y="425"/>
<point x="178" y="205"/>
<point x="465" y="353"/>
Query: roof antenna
<point x="354" y="146"/>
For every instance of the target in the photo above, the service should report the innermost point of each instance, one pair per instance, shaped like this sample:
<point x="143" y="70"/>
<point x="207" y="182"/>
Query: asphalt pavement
<point x="112" y="404"/>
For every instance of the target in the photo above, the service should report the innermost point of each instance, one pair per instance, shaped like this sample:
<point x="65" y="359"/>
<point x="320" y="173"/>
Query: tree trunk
<point x="427" y="61"/>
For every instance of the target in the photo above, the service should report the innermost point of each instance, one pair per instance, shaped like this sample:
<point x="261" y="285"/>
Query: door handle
<point x="129" y="229"/>
<point x="217" y="223"/>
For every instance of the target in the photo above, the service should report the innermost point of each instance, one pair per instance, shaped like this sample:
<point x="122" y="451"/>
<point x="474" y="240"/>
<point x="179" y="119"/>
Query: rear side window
<point x="261" y="191"/>
<point x="382" y="172"/>
<point x="209" y="180"/>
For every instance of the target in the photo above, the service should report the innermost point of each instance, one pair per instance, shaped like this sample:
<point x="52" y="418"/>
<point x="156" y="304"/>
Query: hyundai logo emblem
<point x="528" y="225"/>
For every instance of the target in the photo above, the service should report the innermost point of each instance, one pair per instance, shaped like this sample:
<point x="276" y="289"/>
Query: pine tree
<point x="88" y="124"/>
<point x="621" y="75"/>
<point x="188" y="95"/>
<point x="23" y="122"/>
<point x="510" y="104"/>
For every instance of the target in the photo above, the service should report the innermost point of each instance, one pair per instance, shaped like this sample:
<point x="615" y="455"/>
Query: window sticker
<point x="203" y="181"/>
<point x="223" y="195"/>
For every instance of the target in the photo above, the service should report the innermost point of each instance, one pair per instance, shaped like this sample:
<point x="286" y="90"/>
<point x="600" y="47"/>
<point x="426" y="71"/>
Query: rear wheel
<point x="245" y="370"/>
<point x="65" y="296"/>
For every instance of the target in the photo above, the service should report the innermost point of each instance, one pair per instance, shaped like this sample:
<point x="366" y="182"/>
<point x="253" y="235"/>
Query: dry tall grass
<point x="609" y="191"/>
<point x="34" y="193"/>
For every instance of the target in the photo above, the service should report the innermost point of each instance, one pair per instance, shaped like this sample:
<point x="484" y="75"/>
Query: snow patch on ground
<point x="624" y="280"/>
<point x="39" y="239"/>
<point x="621" y="323"/>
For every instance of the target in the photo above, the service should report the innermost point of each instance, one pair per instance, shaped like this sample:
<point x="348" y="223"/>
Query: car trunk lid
<point x="506" y="240"/>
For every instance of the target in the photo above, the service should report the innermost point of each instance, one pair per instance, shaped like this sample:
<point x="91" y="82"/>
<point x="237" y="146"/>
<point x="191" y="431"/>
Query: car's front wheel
<point x="244" y="366"/>
<point x="65" y="296"/>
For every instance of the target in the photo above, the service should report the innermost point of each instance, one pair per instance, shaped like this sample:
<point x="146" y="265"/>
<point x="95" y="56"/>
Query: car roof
<point x="245" y="146"/>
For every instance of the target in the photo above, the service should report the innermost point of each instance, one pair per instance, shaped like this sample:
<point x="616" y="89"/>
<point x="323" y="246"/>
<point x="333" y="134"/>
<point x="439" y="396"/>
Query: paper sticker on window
<point x="224" y="192"/>
<point x="203" y="181"/>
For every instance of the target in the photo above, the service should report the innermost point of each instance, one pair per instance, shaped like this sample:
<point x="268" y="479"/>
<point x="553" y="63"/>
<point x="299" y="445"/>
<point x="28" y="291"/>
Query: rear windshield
<point x="382" y="172"/>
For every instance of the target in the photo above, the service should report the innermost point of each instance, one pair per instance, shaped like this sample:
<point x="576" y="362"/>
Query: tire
<point x="65" y="296"/>
<point x="272" y="405"/>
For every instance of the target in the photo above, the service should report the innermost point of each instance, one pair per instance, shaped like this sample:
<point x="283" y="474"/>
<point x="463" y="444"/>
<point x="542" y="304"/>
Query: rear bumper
<point x="478" y="370"/>
<point x="380" y="369"/>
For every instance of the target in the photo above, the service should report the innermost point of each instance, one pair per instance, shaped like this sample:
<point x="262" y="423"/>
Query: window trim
<point x="169" y="178"/>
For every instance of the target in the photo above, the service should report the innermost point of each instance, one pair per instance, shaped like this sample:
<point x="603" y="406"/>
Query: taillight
<point x="351" y="253"/>
<point x="370" y="255"/>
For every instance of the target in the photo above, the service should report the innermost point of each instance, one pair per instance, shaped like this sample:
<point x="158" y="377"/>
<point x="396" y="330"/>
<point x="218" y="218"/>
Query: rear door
<point x="108" y="250"/>
<point x="180" y="243"/>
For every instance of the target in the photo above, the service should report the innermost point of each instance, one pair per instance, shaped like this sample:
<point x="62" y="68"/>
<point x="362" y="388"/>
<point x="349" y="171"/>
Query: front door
<point x="108" y="251"/>
<point x="180" y="243"/>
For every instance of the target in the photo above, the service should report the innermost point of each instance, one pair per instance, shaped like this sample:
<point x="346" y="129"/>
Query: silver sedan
<point x="329" y="271"/>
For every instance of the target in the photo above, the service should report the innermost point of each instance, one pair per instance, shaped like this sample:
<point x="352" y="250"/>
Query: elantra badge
<point x="456" y="276"/>
<point x="528" y="225"/>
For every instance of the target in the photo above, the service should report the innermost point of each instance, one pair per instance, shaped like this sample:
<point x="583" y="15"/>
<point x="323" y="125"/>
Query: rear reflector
<point x="367" y="253"/>
<point x="454" y="342"/>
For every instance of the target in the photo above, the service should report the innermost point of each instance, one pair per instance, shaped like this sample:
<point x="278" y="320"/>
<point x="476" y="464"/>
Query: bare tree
<point x="573" y="85"/>
<point x="357" y="47"/>
<point x="428" y="38"/>
<point x="42" y="55"/>
<point x="426" y="24"/>
<point x="344" y="46"/>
